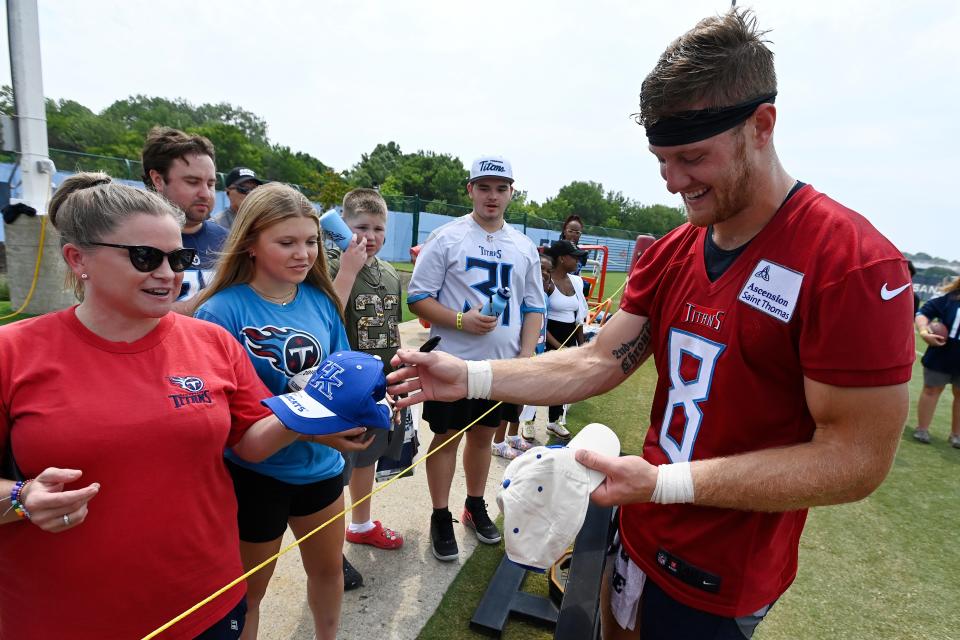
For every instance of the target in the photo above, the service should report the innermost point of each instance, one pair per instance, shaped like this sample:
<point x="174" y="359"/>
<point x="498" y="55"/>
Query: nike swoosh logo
<point x="887" y="294"/>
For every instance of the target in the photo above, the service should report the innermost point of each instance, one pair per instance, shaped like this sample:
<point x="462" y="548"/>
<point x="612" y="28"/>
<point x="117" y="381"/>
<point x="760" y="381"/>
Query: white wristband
<point x="674" y="484"/>
<point x="479" y="379"/>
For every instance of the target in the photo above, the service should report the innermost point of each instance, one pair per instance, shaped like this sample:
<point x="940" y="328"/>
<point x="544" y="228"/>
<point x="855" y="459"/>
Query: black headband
<point x="686" y="127"/>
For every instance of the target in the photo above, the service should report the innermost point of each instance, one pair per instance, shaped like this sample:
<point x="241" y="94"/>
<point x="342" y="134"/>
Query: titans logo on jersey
<point x="289" y="351"/>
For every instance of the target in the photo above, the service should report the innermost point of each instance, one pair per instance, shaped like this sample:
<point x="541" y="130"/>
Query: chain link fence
<point x="74" y="161"/>
<point x="414" y="204"/>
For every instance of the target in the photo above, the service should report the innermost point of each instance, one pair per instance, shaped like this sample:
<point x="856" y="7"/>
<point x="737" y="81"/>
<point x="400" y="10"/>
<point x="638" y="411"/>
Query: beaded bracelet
<point x="15" y="491"/>
<point x="460" y="321"/>
<point x="21" y="510"/>
<point x="18" y="507"/>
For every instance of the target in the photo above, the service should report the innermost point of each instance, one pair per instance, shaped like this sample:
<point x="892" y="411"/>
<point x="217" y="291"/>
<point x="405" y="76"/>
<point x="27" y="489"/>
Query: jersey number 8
<point x="686" y="395"/>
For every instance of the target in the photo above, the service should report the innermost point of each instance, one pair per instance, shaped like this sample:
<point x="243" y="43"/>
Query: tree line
<point x="241" y="139"/>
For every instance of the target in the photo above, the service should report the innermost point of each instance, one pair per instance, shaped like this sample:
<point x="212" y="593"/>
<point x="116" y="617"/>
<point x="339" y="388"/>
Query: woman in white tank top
<point x="566" y="312"/>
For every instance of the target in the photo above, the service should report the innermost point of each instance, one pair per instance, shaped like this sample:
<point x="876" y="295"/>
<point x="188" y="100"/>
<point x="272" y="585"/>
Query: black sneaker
<point x="442" y="541"/>
<point x="478" y="520"/>
<point x="351" y="577"/>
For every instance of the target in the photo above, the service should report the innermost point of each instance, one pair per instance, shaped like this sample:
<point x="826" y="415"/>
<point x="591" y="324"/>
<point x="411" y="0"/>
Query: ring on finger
<point x="66" y="519"/>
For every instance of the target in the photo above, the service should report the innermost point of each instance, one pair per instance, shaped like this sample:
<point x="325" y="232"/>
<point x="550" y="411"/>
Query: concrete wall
<point x="22" y="242"/>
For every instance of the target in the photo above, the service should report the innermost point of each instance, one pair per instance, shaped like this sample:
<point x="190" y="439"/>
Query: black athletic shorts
<point x="264" y="504"/>
<point x="453" y="416"/>
<point x="229" y="626"/>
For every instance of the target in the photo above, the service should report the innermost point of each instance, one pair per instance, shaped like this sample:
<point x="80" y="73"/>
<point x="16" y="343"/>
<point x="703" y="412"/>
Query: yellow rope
<point x="345" y="511"/>
<point x="36" y="271"/>
<point x="297" y="543"/>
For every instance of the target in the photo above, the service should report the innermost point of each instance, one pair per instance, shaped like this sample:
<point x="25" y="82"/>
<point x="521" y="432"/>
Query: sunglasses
<point x="148" y="259"/>
<point x="244" y="190"/>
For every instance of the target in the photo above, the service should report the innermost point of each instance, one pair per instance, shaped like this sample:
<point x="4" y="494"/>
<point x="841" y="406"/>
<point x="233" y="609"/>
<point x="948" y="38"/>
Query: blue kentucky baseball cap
<point x="347" y="390"/>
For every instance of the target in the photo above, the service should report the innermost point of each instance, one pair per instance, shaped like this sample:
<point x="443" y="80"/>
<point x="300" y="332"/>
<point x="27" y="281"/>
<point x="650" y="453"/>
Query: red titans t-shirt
<point x="817" y="293"/>
<point x="149" y="421"/>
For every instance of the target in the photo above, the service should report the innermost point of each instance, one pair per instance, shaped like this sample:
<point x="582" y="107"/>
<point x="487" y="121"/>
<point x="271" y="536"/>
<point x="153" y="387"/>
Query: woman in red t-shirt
<point x="118" y="412"/>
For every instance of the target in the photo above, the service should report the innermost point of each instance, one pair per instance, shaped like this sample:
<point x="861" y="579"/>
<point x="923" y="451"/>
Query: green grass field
<point x="6" y="310"/>
<point x="884" y="567"/>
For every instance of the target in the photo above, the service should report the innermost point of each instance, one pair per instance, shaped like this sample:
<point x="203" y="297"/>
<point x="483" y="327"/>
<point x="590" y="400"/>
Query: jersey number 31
<point x="498" y="276"/>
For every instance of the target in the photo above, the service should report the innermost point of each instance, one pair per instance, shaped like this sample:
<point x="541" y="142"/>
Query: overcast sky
<point x="868" y="102"/>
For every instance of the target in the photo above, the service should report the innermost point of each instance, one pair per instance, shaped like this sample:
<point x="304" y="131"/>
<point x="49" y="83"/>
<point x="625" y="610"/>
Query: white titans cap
<point x="491" y="167"/>
<point x="545" y="494"/>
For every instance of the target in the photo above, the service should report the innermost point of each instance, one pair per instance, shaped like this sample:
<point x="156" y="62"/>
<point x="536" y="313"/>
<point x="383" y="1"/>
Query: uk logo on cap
<point x="327" y="378"/>
<point x="347" y="390"/>
<point x="491" y="167"/>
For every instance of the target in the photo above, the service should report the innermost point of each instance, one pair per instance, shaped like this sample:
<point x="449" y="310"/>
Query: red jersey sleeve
<point x="646" y="276"/>
<point x="858" y="331"/>
<point x="245" y="407"/>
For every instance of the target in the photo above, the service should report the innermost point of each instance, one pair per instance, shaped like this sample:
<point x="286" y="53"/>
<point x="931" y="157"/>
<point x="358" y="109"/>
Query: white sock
<point x="361" y="527"/>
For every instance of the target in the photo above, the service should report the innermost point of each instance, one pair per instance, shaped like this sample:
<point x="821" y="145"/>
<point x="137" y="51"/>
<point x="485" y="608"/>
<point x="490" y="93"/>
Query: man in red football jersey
<point x="766" y="403"/>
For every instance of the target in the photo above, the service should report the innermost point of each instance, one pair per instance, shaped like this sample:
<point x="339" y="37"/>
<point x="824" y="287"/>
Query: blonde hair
<point x="266" y="206"/>
<point x="953" y="286"/>
<point x="89" y="206"/>
<point x="360" y="201"/>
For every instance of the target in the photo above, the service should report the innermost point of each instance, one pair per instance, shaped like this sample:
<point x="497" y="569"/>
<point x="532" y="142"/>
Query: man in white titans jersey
<point x="766" y="402"/>
<point x="459" y="269"/>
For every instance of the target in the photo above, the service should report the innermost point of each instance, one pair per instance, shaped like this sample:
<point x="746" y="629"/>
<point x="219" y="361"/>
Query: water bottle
<point x="336" y="228"/>
<point x="495" y="305"/>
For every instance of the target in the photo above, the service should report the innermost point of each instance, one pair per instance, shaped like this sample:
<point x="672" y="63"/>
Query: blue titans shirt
<point x="282" y="341"/>
<point x="208" y="242"/>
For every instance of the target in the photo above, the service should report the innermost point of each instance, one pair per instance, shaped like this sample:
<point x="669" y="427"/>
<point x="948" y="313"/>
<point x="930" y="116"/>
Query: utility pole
<point x="36" y="172"/>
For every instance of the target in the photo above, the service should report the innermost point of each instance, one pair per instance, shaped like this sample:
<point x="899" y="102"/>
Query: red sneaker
<point x="380" y="537"/>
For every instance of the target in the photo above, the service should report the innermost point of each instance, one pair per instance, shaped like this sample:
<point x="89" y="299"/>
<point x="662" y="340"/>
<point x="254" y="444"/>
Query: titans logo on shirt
<point x="288" y="351"/>
<point x="195" y="391"/>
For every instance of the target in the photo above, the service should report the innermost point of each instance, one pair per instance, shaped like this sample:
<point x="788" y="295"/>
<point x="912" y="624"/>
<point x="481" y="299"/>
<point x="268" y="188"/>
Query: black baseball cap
<point x="565" y="248"/>
<point x="241" y="174"/>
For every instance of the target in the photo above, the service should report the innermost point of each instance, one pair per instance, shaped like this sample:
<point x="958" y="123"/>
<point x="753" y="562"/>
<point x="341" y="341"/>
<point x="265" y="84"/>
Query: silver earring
<point x="84" y="276"/>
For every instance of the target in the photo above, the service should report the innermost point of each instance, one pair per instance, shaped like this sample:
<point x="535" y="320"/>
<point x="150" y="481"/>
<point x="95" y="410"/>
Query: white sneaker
<point x="518" y="443"/>
<point x="504" y="450"/>
<point x="528" y="431"/>
<point x="558" y="430"/>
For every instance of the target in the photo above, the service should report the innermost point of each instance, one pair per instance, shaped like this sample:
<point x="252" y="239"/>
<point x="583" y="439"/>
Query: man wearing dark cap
<point x="239" y="182"/>
<point x="766" y="402"/>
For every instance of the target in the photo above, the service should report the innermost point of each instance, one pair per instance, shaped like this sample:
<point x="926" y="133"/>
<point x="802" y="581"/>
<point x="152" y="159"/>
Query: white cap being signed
<point x="545" y="494"/>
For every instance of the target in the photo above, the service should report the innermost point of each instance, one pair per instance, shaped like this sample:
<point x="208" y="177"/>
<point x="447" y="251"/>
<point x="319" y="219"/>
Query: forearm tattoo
<point x="630" y="354"/>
